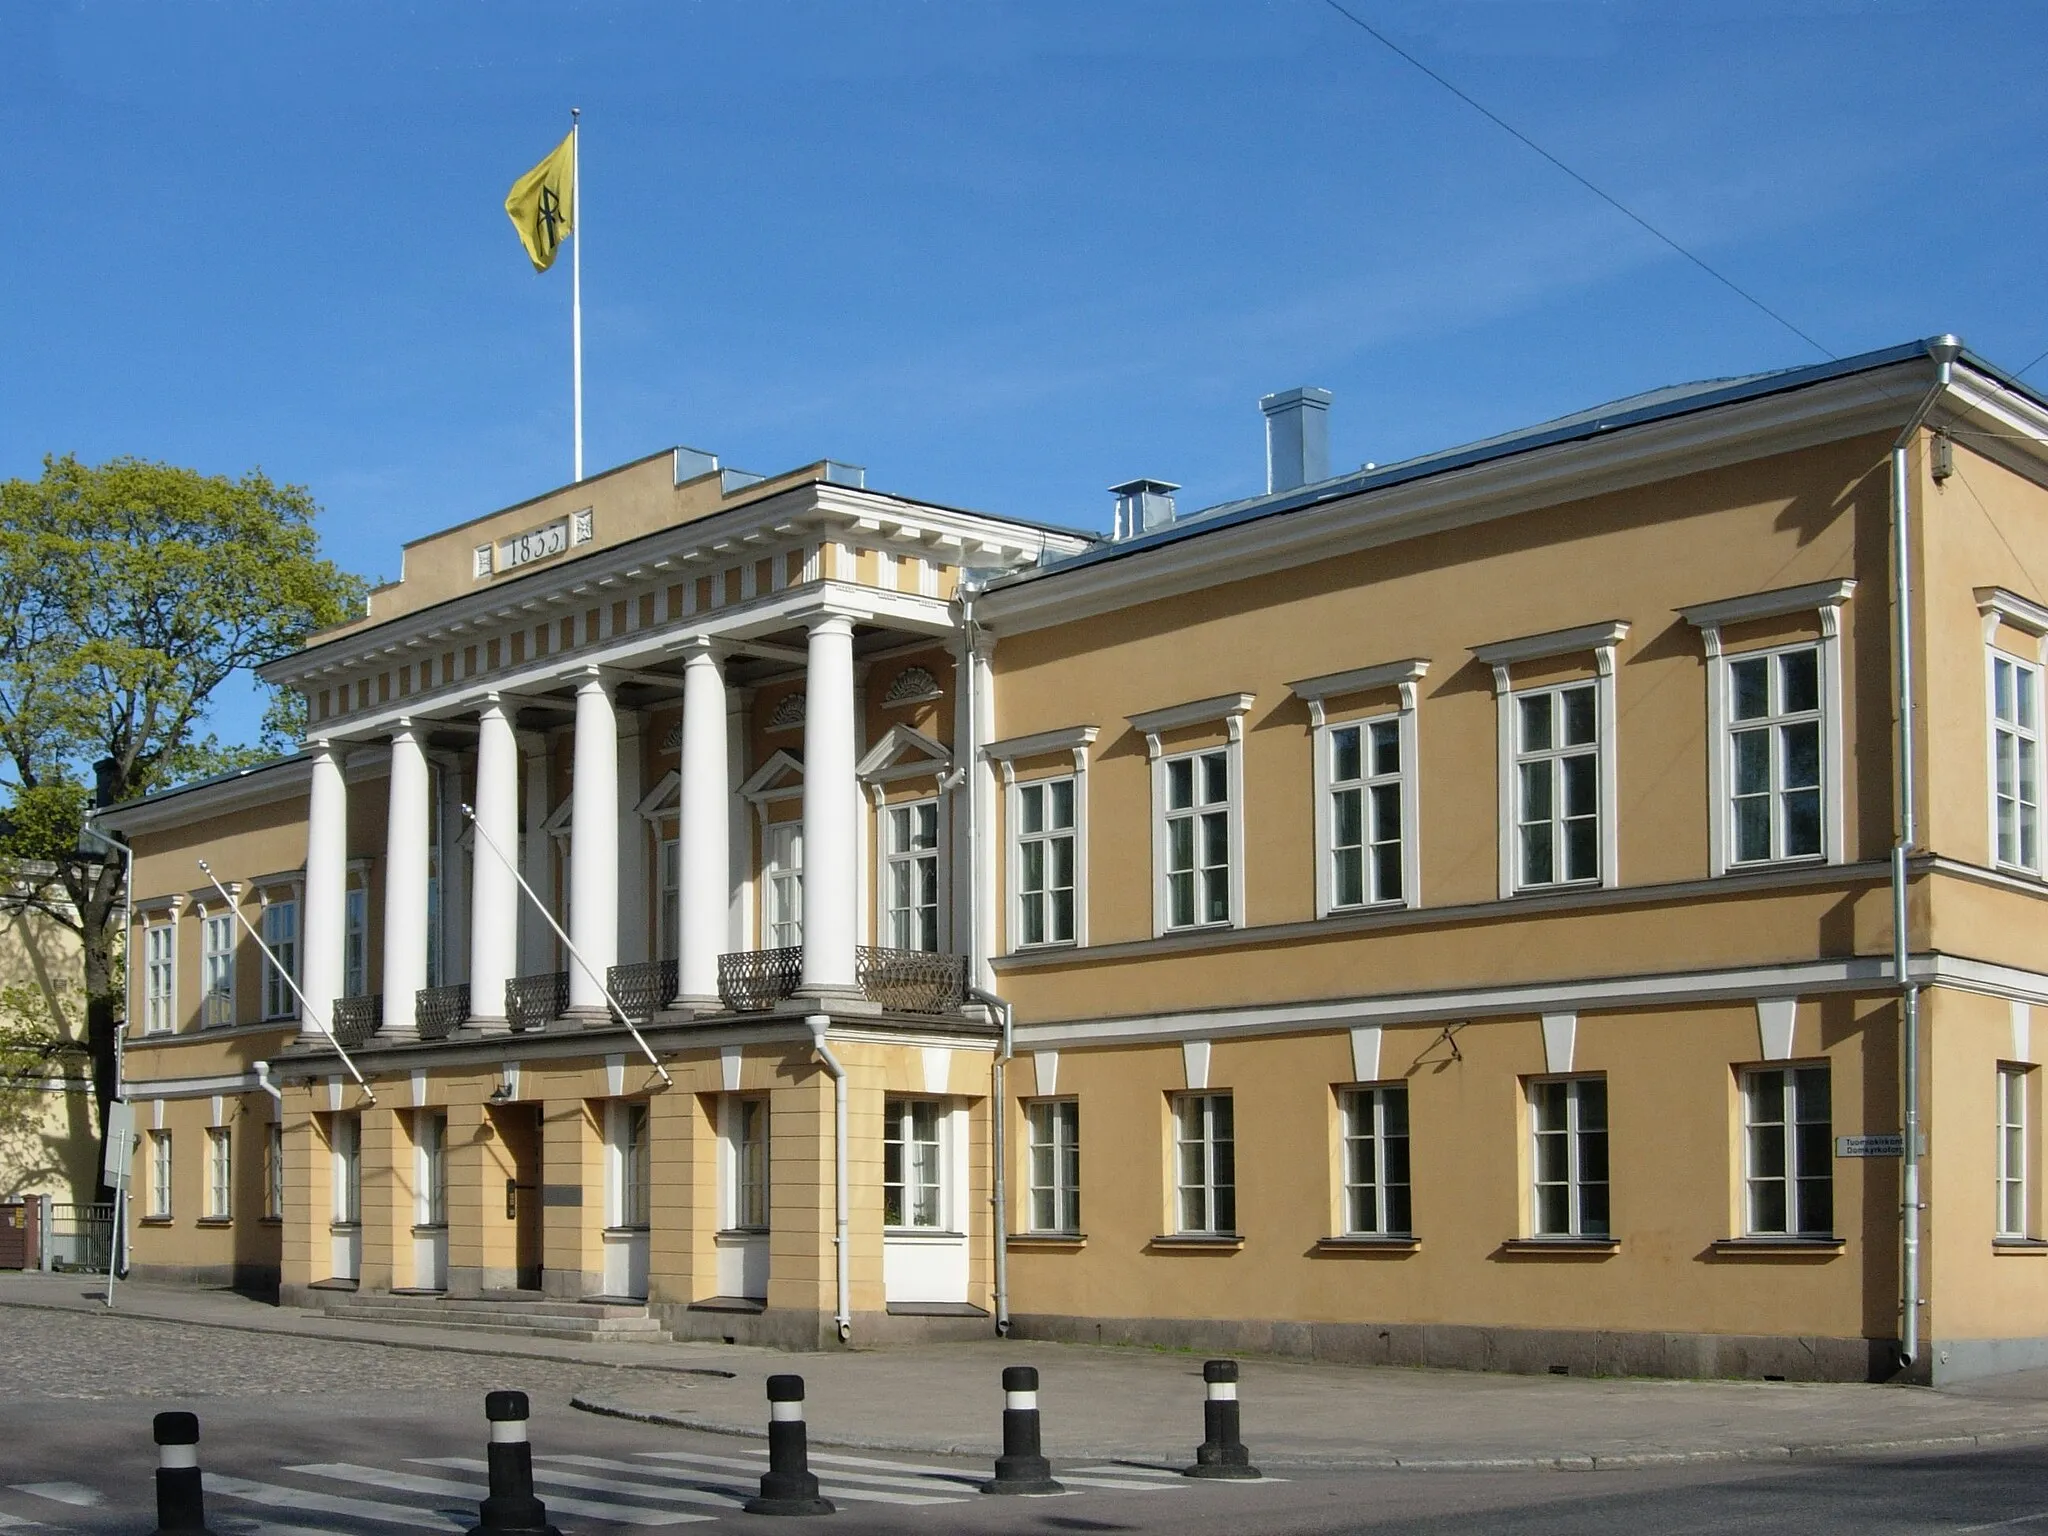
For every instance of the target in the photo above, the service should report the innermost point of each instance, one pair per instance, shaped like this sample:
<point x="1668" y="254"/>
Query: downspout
<point x="999" y="1112"/>
<point x="842" y="1317"/>
<point x="1944" y="350"/>
<point x="263" y="1081"/>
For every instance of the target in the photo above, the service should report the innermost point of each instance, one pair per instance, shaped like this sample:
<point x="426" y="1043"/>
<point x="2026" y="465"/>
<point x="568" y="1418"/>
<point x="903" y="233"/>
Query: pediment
<point x="905" y="753"/>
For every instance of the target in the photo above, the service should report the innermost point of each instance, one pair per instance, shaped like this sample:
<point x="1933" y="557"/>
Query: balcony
<point x="439" y="1011"/>
<point x="643" y="988"/>
<point x="899" y="980"/>
<point x="531" y="1001"/>
<point x="357" y="1018"/>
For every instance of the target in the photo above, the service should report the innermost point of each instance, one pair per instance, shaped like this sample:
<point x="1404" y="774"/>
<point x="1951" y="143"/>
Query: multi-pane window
<point x="913" y="1183"/>
<point x="910" y="875"/>
<point x="281" y="938"/>
<point x="430" y="1150"/>
<point x="345" y="1146"/>
<point x="1774" y="749"/>
<point x="1198" y="839"/>
<point x="671" y="898"/>
<point x="1376" y="1198"/>
<point x="2012" y="1152"/>
<point x="1045" y="862"/>
<point x="1790" y="1139"/>
<point x="1557" y="786"/>
<point x="355" y="967"/>
<point x="273" y="1173"/>
<point x="1365" y="813"/>
<point x="1568" y="1157"/>
<point x="633" y="1169"/>
<point x="160" y="1175"/>
<point x="159" y="977"/>
<point x="220" y="1173"/>
<point x="217" y="969"/>
<point x="2016" y="761"/>
<point x="783" y="850"/>
<point x="1055" y="1171"/>
<point x="1205" y="1163"/>
<point x="750" y="1165"/>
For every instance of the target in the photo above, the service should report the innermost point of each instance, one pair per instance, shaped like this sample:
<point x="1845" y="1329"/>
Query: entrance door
<point x="518" y="1128"/>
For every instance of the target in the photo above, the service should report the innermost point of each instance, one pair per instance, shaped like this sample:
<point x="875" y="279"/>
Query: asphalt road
<point x="302" y="1437"/>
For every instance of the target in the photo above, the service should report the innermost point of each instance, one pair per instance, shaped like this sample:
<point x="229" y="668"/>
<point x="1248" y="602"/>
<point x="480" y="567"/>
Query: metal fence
<point x="81" y="1237"/>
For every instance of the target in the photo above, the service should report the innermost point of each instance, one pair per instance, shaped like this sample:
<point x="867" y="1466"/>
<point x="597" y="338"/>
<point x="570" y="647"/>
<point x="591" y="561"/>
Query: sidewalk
<point x="1146" y="1406"/>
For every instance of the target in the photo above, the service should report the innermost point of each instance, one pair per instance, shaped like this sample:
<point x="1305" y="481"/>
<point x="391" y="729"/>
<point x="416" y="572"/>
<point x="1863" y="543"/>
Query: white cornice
<point x="1072" y="738"/>
<point x="1769" y="605"/>
<point x="2022" y="613"/>
<point x="1556" y="642"/>
<point x="1314" y="691"/>
<point x="1230" y="708"/>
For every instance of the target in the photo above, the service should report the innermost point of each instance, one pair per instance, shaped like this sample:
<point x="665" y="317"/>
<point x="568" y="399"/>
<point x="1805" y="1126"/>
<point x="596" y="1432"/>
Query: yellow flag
<point x="542" y="204"/>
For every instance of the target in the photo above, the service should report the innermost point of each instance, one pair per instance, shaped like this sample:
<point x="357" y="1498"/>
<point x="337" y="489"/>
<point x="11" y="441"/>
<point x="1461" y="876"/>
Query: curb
<point x="1557" y="1461"/>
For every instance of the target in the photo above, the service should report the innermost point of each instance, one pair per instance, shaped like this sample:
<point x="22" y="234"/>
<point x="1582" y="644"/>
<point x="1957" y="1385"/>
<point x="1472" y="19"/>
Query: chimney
<point x="105" y="783"/>
<point x="1141" y="506"/>
<point x="1297" y="438"/>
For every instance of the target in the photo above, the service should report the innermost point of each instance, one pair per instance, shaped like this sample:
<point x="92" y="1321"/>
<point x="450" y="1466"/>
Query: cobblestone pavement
<point x="108" y="1355"/>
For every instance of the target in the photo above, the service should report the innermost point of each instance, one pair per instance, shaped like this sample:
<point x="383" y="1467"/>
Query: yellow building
<point x="48" y="1139"/>
<point x="1443" y="913"/>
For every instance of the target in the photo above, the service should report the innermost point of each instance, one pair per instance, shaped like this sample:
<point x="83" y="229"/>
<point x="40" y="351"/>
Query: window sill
<point x="2019" y="1245"/>
<point x="1561" y="1247"/>
<point x="737" y="1234"/>
<point x="636" y="1231"/>
<point x="1196" y="1242"/>
<point x="913" y="1235"/>
<point x="270" y="1221"/>
<point x="154" y="1221"/>
<point x="430" y="1229"/>
<point x="1370" y="1243"/>
<point x="1812" y="1247"/>
<point x="216" y="1221"/>
<point x="343" y="1228"/>
<point x="1046" y="1240"/>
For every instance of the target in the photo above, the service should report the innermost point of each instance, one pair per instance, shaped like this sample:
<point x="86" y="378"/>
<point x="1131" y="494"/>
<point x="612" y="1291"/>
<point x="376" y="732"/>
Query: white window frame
<point x="898" y="1132"/>
<point x="668" y="864"/>
<point x="217" y="933"/>
<point x="1783" y="1078"/>
<point x="779" y="877"/>
<point x="161" y="1170"/>
<point x="1074" y="741"/>
<point x="2027" y="674"/>
<point x="345" y="1167"/>
<point x="1825" y="599"/>
<point x="1228" y="709"/>
<point x="1772" y="722"/>
<point x="1577" y="1227"/>
<point x="746" y="1162"/>
<point x="1602" y="642"/>
<point x="279" y="1001"/>
<point x="629" y="1154"/>
<point x="1365" y="1123"/>
<point x="430" y="1167"/>
<point x="160" y="977"/>
<point x="1556" y="758"/>
<point x="355" y="942"/>
<point x="2013" y="1192"/>
<point x="1047" y="839"/>
<point x="892" y="858"/>
<point x="1316" y="692"/>
<point x="1198" y="1131"/>
<point x="1052" y="1165"/>
<point x="220" y="1173"/>
<point x="273" y="1172"/>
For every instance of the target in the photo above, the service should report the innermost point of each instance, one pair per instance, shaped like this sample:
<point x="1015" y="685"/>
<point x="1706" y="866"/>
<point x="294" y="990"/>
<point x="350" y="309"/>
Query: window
<point x="910" y="875"/>
<point x="631" y="1165"/>
<point x="749" y="1150"/>
<point x="345" y="1145"/>
<point x="1568" y="1157"/>
<point x="783" y="850"/>
<point x="2012" y="1152"/>
<point x="1055" y="1175"/>
<point x="671" y="898"/>
<point x="159" y="978"/>
<point x="1376" y="1199"/>
<point x="281" y="937"/>
<point x="1045" y="850"/>
<point x="1198" y="814"/>
<point x="1790" y="1152"/>
<point x="913" y="1163"/>
<point x="355" y="968"/>
<point x="1557" y="786"/>
<point x="1774" y="756"/>
<point x="1205" y="1163"/>
<point x="160" y="1175"/>
<point x="220" y="1173"/>
<point x="273" y="1173"/>
<point x="1365" y="813"/>
<point x="430" y="1152"/>
<point x="2015" y="762"/>
<point x="217" y="947"/>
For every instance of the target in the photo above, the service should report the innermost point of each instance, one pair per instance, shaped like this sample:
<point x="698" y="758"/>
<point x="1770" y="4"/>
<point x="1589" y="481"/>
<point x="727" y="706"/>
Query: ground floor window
<point x="1568" y="1130"/>
<point x="430" y="1152"/>
<point x="346" y="1146"/>
<point x="1055" y="1182"/>
<point x="2012" y="1152"/>
<point x="1205" y="1163"/>
<point x="747" y="1146"/>
<point x="1376" y="1200"/>
<point x="913" y="1163"/>
<point x="1790" y="1151"/>
<point x="160" y="1175"/>
<point x="631" y="1156"/>
<point x="220" y="1173"/>
<point x="273" y="1173"/>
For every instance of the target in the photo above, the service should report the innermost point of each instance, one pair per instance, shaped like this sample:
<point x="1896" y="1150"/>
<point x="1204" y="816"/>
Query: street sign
<point x="1890" y="1144"/>
<point x="120" y="1143"/>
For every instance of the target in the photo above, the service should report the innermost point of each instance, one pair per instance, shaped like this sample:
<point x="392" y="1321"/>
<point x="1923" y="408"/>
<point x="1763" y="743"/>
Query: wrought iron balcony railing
<point x="531" y="1001"/>
<point x="439" y="1011"/>
<point x="642" y="988"/>
<point x="357" y="1018"/>
<point x="900" y="980"/>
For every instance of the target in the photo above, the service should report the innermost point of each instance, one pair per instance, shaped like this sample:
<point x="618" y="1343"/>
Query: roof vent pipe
<point x="1141" y="506"/>
<point x="1297" y="438"/>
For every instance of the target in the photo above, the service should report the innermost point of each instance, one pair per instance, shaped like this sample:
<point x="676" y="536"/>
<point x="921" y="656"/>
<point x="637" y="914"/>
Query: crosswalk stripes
<point x="8" y="1521"/>
<point x="409" y="1482"/>
<point x="305" y="1501"/>
<point x="75" y="1494"/>
<point x="921" y="1491"/>
<point x="1071" y="1479"/>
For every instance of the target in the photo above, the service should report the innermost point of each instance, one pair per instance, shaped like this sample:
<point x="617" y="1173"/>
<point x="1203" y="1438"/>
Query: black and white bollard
<point x="180" y="1502"/>
<point x="788" y="1486"/>
<point x="1222" y="1452"/>
<point x="1022" y="1468"/>
<point x="510" y="1509"/>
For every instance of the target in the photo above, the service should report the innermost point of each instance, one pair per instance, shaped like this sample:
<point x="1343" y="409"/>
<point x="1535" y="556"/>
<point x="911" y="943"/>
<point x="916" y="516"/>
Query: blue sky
<point x="1002" y="254"/>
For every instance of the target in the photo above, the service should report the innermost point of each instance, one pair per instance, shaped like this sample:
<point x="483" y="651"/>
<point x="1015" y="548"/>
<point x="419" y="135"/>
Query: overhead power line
<point x="1613" y="202"/>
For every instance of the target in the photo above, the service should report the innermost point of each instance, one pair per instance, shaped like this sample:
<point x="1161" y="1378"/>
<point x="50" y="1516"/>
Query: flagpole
<point x="576" y="269"/>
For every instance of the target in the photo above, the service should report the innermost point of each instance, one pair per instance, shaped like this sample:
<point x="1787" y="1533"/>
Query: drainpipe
<point x="819" y="1023"/>
<point x="1944" y="350"/>
<point x="263" y="1081"/>
<point x="999" y="1114"/>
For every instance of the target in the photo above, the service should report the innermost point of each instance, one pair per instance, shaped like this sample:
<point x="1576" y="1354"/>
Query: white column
<point x="406" y="868"/>
<point x="831" y="805"/>
<point x="633" y="925"/>
<point x="494" y="893"/>
<point x="323" y="942"/>
<point x="594" y="843"/>
<point x="704" y="894"/>
<point x="537" y="860"/>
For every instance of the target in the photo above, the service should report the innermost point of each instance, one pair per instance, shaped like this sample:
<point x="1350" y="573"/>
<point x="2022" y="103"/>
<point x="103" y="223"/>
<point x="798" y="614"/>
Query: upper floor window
<point x="2016" y="762"/>
<point x="355" y="971"/>
<point x="217" y="936"/>
<point x="159" y="948"/>
<point x="1366" y="815"/>
<point x="1055" y="1165"/>
<point x="1045" y="864"/>
<point x="1774" y="755"/>
<point x="910" y="875"/>
<point x="1557" y="786"/>
<point x="1196" y="827"/>
<point x="1789" y="1152"/>
<point x="281" y="937"/>
<point x="1568" y="1157"/>
<point x="782" y="847"/>
<point x="671" y="897"/>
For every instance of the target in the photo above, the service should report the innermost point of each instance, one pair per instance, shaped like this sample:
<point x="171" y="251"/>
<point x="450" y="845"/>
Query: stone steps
<point x="579" y="1321"/>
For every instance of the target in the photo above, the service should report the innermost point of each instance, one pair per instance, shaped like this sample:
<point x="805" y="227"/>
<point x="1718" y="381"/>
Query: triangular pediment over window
<point x="904" y="753"/>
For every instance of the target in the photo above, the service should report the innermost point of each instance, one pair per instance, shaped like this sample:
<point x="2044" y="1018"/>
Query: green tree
<point x="130" y="592"/>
